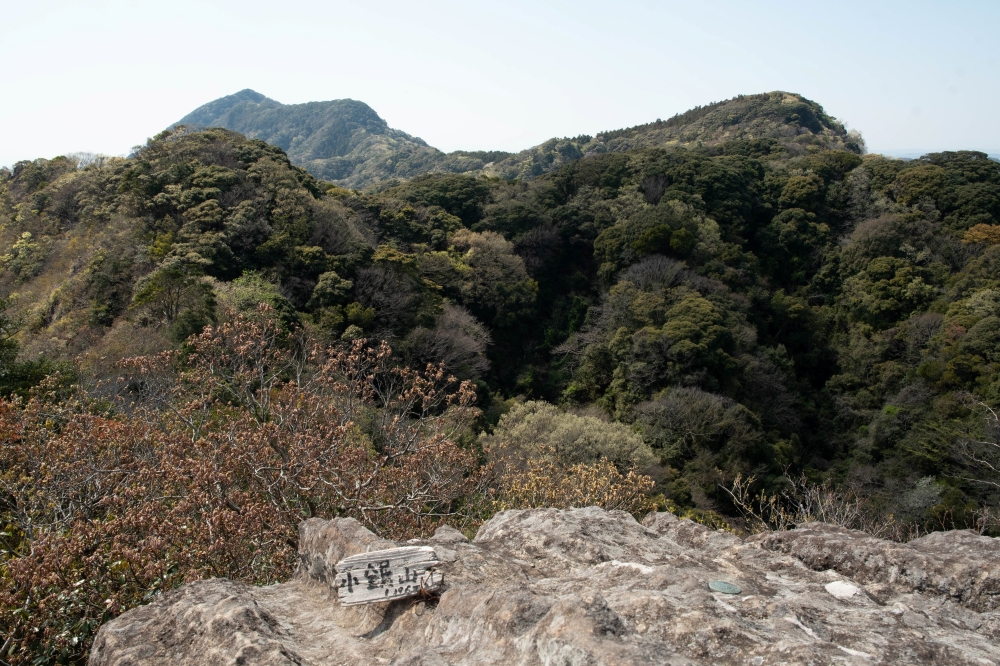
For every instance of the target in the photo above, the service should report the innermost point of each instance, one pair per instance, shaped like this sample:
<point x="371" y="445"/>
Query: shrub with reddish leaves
<point x="202" y="463"/>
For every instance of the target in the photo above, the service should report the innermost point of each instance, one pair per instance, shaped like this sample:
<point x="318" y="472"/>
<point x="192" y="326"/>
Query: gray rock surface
<point x="586" y="586"/>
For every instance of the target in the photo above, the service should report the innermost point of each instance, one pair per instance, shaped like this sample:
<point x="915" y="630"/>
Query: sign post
<point x="384" y="575"/>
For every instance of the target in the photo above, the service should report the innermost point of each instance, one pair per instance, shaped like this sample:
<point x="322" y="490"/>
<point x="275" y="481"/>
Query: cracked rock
<point x="588" y="586"/>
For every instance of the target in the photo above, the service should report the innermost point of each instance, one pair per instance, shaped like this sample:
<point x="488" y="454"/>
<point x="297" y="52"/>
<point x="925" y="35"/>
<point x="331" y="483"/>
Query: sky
<point x="103" y="76"/>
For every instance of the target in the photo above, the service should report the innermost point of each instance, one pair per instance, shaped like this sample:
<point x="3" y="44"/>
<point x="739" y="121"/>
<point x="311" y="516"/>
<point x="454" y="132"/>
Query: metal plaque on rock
<point x="384" y="575"/>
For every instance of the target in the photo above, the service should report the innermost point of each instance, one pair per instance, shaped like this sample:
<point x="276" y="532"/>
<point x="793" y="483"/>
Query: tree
<point x="457" y="343"/>
<point x="330" y="289"/>
<point x="536" y="429"/>
<point x="889" y="289"/>
<point x="176" y="295"/>
<point x="680" y="423"/>
<point x="19" y="377"/>
<point x="790" y="243"/>
<point x="497" y="286"/>
<point x="26" y="256"/>
<point x="986" y="234"/>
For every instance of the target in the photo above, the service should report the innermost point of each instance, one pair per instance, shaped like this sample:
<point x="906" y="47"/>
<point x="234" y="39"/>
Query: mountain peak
<point x="248" y="95"/>
<point x="219" y="112"/>
<point x="334" y="140"/>
<point x="346" y="141"/>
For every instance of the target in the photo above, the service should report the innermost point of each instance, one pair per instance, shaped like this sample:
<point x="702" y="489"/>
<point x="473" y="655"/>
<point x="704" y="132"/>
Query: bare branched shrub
<point x="979" y="453"/>
<point x="767" y="389"/>
<point x="458" y="342"/>
<point x="805" y="502"/>
<point x="654" y="186"/>
<point x="391" y="293"/>
<point x="987" y="520"/>
<point x="207" y="468"/>
<point x="537" y="247"/>
<point x="655" y="272"/>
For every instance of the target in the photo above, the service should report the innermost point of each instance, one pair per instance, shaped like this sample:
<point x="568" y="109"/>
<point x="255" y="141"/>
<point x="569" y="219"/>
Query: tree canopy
<point x="724" y="304"/>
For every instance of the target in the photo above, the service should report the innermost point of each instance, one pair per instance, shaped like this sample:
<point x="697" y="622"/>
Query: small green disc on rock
<point x="724" y="587"/>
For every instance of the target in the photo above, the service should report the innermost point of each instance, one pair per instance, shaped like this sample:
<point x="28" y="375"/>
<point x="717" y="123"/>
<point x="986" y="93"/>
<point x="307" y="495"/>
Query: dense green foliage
<point x="762" y="298"/>
<point x="773" y="123"/>
<point x="346" y="142"/>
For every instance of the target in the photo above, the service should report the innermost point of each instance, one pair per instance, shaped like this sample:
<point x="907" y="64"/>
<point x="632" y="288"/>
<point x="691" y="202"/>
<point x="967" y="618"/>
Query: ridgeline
<point x="736" y="295"/>
<point x="346" y="142"/>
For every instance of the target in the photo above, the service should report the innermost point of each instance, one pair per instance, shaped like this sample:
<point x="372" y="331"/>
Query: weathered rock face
<point x="586" y="586"/>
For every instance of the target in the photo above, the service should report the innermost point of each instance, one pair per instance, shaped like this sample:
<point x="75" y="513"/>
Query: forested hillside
<point x="826" y="311"/>
<point x="342" y="140"/>
<point x="346" y="142"/>
<point x="694" y="304"/>
<point x="779" y="122"/>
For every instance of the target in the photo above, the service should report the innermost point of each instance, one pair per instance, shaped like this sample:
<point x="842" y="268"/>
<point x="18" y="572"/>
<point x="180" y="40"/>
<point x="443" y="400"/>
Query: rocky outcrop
<point x="586" y="586"/>
<point x="959" y="565"/>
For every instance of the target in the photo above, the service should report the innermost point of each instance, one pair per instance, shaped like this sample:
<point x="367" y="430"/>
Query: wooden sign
<point x="383" y="575"/>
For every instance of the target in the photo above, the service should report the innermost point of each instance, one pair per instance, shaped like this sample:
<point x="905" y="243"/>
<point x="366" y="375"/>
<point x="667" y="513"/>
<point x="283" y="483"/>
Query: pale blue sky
<point x="104" y="76"/>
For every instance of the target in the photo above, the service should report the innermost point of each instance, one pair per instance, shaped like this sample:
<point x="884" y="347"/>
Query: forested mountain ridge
<point x="664" y="320"/>
<point x="343" y="140"/>
<point x="758" y="285"/>
<point x="775" y="123"/>
<point x="346" y="142"/>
